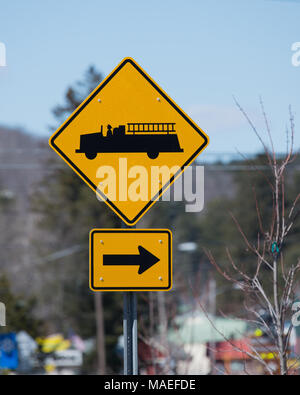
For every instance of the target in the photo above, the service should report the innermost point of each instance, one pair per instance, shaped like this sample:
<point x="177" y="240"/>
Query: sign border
<point x="88" y="181"/>
<point x="91" y="256"/>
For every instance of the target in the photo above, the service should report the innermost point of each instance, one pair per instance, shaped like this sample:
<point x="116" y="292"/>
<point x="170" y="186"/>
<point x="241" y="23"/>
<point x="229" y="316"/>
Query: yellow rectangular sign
<point x="130" y="259"/>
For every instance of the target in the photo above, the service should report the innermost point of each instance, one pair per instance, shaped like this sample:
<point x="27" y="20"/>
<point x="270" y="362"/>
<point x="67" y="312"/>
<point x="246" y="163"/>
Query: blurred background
<point x="221" y="62"/>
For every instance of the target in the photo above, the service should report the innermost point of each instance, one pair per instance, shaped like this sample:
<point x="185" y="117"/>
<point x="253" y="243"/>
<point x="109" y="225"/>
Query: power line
<point x="61" y="254"/>
<point x="209" y="153"/>
<point x="209" y="167"/>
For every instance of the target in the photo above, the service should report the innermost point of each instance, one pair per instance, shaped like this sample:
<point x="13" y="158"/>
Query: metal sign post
<point x="130" y="329"/>
<point x="130" y="334"/>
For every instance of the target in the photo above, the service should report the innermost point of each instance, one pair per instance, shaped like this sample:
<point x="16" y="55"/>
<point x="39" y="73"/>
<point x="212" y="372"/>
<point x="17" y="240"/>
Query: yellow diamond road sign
<point x="129" y="141"/>
<point x="130" y="259"/>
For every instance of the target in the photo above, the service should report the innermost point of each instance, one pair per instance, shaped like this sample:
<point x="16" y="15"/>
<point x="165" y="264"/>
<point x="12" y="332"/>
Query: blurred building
<point x="195" y="333"/>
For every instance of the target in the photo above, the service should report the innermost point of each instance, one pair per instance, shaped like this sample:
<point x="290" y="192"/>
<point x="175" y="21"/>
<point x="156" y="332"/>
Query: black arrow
<point x="144" y="260"/>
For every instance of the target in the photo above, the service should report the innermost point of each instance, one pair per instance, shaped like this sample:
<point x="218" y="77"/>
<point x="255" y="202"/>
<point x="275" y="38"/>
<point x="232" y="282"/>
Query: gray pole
<point x="130" y="331"/>
<point x="130" y="334"/>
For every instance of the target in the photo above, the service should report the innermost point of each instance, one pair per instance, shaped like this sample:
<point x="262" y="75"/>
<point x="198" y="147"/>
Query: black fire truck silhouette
<point x="151" y="138"/>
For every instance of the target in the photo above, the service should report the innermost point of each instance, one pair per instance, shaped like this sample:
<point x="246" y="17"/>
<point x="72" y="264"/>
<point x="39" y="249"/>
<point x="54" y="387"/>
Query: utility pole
<point x="100" y="333"/>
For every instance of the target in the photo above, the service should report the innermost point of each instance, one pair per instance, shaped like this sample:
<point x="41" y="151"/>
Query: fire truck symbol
<point x="151" y="138"/>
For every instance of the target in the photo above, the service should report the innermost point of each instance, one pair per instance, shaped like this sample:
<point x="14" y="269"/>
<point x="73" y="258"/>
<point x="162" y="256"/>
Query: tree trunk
<point x="279" y="324"/>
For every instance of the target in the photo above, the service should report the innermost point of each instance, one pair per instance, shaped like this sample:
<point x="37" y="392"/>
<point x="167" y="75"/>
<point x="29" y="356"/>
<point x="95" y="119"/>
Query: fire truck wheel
<point x="91" y="155"/>
<point x="152" y="155"/>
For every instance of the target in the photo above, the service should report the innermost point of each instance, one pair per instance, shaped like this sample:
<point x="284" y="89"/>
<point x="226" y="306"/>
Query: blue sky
<point x="201" y="52"/>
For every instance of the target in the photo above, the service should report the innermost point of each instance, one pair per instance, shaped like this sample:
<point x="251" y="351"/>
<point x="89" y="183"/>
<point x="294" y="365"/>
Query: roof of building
<point x="197" y="327"/>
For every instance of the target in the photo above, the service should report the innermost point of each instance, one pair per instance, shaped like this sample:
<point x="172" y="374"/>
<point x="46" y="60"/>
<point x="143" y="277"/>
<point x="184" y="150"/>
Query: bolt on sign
<point x="130" y="259"/>
<point x="129" y="141"/>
